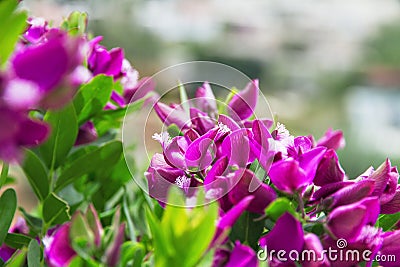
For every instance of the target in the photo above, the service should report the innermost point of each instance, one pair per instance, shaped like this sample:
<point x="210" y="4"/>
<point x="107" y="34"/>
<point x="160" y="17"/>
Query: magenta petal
<point x="87" y="133"/>
<point x="329" y="189"/>
<point x="332" y="139"/>
<point x="174" y="155"/>
<point x="32" y="133"/>
<point x="218" y="169"/>
<point x="244" y="103"/>
<point x="267" y="123"/>
<point x="386" y="179"/>
<point x="286" y="228"/>
<point x="261" y="133"/>
<point x="171" y="115"/>
<point x="201" y="153"/>
<point x="242" y="256"/>
<point x="312" y="243"/>
<point x="59" y="252"/>
<point x="115" y="64"/>
<point x="191" y="135"/>
<point x="201" y="121"/>
<point x="142" y="88"/>
<point x="205" y="99"/>
<point x="114" y="252"/>
<point x="21" y="94"/>
<point x="230" y="217"/>
<point x="347" y="221"/>
<point x="391" y="247"/>
<point x="229" y="122"/>
<point x="249" y="184"/>
<point x="44" y="64"/>
<point x="287" y="176"/>
<point x="393" y="206"/>
<point x="309" y="161"/>
<point x="329" y="169"/>
<point x="350" y="194"/>
<point x="236" y="147"/>
<point x="373" y="209"/>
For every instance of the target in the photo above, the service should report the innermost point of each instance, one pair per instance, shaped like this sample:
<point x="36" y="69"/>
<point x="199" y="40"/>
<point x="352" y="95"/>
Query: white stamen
<point x="163" y="138"/>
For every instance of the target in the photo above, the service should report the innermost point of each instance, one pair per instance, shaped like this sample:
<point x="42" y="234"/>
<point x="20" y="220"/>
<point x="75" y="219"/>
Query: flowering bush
<point x="228" y="189"/>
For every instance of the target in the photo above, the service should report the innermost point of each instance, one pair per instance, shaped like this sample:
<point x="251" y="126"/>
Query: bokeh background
<point x="321" y="64"/>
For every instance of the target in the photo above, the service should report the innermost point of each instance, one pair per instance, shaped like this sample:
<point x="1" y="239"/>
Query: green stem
<point x="301" y="204"/>
<point x="4" y="174"/>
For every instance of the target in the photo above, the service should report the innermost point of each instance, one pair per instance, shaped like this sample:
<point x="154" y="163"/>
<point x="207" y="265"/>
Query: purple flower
<point x="292" y="175"/>
<point x="50" y="66"/>
<point x="236" y="146"/>
<point x="227" y="220"/>
<point x="332" y="139"/>
<point x="114" y="252"/>
<point x="390" y="249"/>
<point x="201" y="122"/>
<point x="349" y="194"/>
<point x="262" y="144"/>
<point x="385" y="178"/>
<point x="348" y="221"/>
<point x="364" y="247"/>
<point x="286" y="228"/>
<point x="101" y="61"/>
<point x="329" y="169"/>
<point x="87" y="133"/>
<point x="246" y="184"/>
<point x="201" y="152"/>
<point x="312" y="243"/>
<point x="36" y="29"/>
<point x="243" y="104"/>
<point x="393" y="206"/>
<point x="205" y="99"/>
<point x="242" y="256"/>
<point x="17" y="131"/>
<point x="58" y="249"/>
<point x="19" y="227"/>
<point x="172" y="115"/>
<point x="139" y="90"/>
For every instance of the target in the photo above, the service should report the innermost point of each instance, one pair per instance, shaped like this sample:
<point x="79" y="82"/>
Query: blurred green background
<point x="321" y="64"/>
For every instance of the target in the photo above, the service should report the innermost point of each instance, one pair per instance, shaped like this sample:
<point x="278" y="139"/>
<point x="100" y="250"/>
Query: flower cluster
<point x="47" y="67"/>
<point x="295" y="186"/>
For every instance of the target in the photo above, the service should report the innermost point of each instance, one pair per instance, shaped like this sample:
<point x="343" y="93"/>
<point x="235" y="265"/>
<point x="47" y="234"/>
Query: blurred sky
<point x="311" y="56"/>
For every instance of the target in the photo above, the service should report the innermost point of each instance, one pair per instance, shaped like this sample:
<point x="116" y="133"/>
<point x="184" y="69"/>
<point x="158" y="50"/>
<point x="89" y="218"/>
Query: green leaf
<point x="102" y="158"/>
<point x="388" y="221"/>
<point x="12" y="24"/>
<point x="34" y="254"/>
<point x="278" y="207"/>
<point x="132" y="251"/>
<point x="173" y="130"/>
<point x="17" y="260"/>
<point x="191" y="231"/>
<point x="64" y="130"/>
<point x="4" y="174"/>
<point x="92" y="97"/>
<point x="55" y="210"/>
<point x="247" y="229"/>
<point x="8" y="205"/>
<point x="80" y="232"/>
<point x="76" y="23"/>
<point x="184" y="98"/>
<point x="17" y="241"/>
<point x="36" y="174"/>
